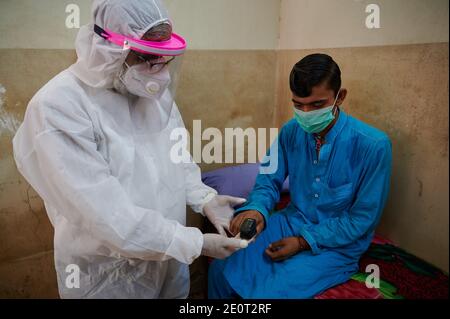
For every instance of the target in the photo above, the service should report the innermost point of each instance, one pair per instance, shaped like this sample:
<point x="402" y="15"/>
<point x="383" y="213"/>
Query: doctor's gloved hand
<point x="219" y="211"/>
<point x="220" y="247"/>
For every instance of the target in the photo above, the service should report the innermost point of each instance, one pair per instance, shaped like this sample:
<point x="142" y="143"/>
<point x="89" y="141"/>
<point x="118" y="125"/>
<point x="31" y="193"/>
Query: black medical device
<point x="248" y="228"/>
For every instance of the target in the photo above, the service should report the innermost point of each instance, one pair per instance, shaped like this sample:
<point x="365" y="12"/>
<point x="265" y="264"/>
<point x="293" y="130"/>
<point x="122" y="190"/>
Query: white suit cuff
<point x="205" y="201"/>
<point x="186" y="244"/>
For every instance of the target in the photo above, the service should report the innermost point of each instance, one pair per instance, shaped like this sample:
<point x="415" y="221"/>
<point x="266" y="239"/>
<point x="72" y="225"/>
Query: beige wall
<point x="206" y="24"/>
<point x="227" y="24"/>
<point x="313" y="24"/>
<point x="26" y="235"/>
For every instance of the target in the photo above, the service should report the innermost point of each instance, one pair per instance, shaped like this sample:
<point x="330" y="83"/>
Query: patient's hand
<point x="286" y="247"/>
<point x="236" y="222"/>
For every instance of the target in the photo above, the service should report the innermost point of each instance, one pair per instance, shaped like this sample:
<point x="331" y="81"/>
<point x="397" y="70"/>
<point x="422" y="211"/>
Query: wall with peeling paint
<point x="26" y="235"/>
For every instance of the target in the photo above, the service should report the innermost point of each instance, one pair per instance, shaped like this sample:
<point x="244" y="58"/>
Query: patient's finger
<point x="281" y="257"/>
<point x="259" y="227"/>
<point x="231" y="228"/>
<point x="271" y="253"/>
<point x="268" y="252"/>
<point x="232" y="225"/>
<point x="277" y="255"/>
<point x="236" y="224"/>
<point x="284" y="254"/>
<point x="277" y="245"/>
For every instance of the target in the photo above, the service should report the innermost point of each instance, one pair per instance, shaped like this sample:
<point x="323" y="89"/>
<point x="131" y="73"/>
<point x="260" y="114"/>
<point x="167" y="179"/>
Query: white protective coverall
<point x="101" y="164"/>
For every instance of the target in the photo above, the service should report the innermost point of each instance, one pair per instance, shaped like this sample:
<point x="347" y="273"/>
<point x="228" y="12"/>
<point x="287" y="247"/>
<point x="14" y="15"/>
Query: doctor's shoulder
<point x="60" y="98"/>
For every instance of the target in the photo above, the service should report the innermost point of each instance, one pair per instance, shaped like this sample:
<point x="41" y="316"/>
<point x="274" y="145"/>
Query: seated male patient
<point x="339" y="173"/>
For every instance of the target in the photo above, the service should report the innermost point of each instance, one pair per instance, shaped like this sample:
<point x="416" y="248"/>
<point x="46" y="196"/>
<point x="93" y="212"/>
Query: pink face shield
<point x="173" y="47"/>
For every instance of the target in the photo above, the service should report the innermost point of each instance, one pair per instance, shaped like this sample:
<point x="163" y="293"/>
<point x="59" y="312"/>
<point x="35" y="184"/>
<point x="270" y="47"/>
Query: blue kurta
<point x="336" y="202"/>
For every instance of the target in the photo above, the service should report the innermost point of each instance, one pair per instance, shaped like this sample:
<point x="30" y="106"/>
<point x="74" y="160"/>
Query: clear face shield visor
<point x="151" y="77"/>
<point x="155" y="73"/>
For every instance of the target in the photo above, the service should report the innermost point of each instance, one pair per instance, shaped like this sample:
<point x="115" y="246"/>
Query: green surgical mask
<point x="316" y="121"/>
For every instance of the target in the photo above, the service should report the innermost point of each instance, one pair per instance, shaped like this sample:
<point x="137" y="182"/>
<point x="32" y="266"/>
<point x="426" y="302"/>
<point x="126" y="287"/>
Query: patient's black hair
<point x="313" y="70"/>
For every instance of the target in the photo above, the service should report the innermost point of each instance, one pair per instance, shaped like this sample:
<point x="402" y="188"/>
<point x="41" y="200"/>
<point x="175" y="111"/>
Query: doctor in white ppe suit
<point x="95" y="144"/>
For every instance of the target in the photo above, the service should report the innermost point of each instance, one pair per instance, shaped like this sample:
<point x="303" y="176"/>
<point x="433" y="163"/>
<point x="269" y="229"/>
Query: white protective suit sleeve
<point x="66" y="169"/>
<point x="197" y="193"/>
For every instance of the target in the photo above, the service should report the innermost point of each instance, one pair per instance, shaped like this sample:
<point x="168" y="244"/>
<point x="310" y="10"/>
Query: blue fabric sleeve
<point x="269" y="182"/>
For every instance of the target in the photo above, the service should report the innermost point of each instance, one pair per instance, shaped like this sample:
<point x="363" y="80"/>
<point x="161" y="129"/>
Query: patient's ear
<point x="342" y="96"/>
